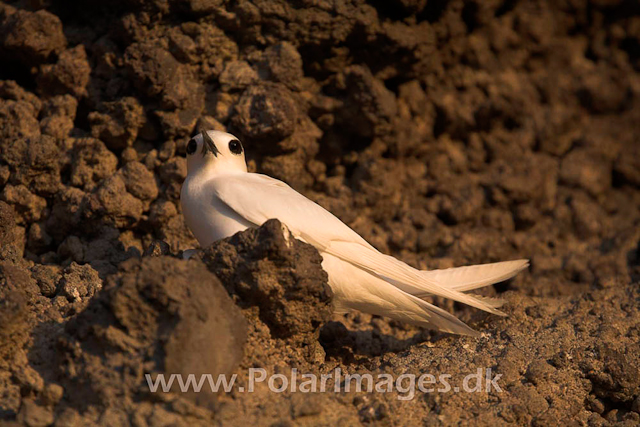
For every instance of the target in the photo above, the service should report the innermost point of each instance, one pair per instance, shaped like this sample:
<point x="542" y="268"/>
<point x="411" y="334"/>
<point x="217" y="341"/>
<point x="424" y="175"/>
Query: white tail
<point x="471" y="277"/>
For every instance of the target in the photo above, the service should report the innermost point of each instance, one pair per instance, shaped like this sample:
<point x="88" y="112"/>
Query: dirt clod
<point x="31" y="37"/>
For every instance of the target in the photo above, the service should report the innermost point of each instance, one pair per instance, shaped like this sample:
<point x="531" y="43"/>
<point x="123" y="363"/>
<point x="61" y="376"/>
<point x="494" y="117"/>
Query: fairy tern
<point x="220" y="197"/>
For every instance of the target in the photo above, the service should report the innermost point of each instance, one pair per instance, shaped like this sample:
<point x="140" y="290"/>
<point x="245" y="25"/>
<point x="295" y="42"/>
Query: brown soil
<point x="444" y="132"/>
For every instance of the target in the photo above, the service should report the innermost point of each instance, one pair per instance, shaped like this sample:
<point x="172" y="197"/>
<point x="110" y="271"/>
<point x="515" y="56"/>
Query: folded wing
<point x="259" y="198"/>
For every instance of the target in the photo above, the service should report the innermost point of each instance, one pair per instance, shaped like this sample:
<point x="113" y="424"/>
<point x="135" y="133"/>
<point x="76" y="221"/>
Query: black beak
<point x="208" y="145"/>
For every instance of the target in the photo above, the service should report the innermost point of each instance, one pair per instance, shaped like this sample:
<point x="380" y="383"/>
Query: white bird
<point x="220" y="198"/>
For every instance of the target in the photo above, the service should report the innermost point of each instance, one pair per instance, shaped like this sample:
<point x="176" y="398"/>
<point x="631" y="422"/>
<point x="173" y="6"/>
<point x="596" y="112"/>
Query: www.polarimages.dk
<point x="483" y="380"/>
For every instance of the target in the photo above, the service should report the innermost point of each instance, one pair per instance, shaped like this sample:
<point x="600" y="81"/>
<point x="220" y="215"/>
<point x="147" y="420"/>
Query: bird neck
<point x="214" y="169"/>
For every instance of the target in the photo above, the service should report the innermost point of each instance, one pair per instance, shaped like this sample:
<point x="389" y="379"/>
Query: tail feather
<point x="439" y="319"/>
<point x="366" y="280"/>
<point x="357" y="289"/>
<point x="471" y="277"/>
<point x="493" y="302"/>
<point x="401" y="275"/>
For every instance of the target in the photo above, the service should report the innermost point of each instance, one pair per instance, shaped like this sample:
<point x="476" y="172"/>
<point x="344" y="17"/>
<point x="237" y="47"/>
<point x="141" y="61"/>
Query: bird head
<point x="215" y="151"/>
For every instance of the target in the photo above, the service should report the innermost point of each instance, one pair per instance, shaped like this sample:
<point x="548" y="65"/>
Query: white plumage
<point x="220" y="198"/>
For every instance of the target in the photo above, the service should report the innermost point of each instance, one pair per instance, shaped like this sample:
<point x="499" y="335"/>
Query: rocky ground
<point x="444" y="132"/>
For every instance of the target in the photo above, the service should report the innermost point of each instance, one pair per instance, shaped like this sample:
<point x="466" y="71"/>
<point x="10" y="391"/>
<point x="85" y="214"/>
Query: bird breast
<point x="208" y="218"/>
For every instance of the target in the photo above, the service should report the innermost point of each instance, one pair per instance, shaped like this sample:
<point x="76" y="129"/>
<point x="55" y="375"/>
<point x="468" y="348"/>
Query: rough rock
<point x="47" y="277"/>
<point x="58" y="116"/>
<point x="79" y="282"/>
<point x="91" y="163"/>
<point x="17" y="120"/>
<point x="182" y="321"/>
<point x="29" y="207"/>
<point x="139" y="181"/>
<point x="290" y="292"/>
<point x="158" y="73"/>
<point x="35" y="163"/>
<point x="265" y="112"/>
<point x="69" y="75"/>
<point x="368" y="105"/>
<point x="237" y="75"/>
<point x="14" y="311"/>
<point x="281" y="63"/>
<point x="118" y="122"/>
<point x="66" y="212"/>
<point x="113" y="205"/>
<point x="31" y="37"/>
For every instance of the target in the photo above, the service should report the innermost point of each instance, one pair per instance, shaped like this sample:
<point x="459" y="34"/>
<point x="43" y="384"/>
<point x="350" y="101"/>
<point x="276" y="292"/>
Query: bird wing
<point x="258" y="198"/>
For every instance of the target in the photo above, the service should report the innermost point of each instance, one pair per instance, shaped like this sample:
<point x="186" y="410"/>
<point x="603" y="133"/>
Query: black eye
<point x="192" y="146"/>
<point x="235" y="146"/>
